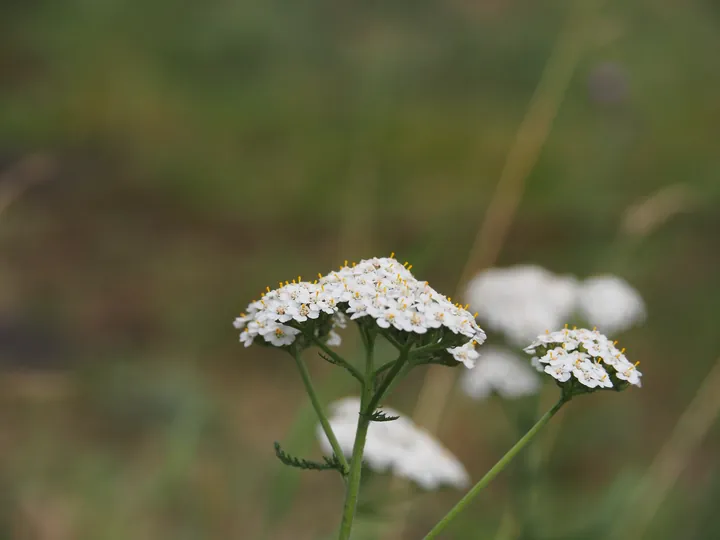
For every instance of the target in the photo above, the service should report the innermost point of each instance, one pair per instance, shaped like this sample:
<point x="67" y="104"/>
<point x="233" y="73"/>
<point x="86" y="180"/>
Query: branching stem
<point x="319" y="410"/>
<point x="338" y="360"/>
<point x="353" y="479"/>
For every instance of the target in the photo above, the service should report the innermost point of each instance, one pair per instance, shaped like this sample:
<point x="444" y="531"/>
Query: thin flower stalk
<point x="581" y="362"/>
<point x="496" y="469"/>
<point x="310" y="389"/>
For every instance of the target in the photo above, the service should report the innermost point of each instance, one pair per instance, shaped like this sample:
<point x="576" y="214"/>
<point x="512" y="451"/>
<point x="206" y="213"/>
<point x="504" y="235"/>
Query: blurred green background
<point x="161" y="162"/>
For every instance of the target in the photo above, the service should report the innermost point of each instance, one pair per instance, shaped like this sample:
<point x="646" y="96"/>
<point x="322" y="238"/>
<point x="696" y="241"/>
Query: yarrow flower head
<point x="378" y="292"/>
<point x="583" y="361"/>
<point x="502" y="372"/>
<point x="521" y="301"/>
<point x="611" y="303"/>
<point x="398" y="446"/>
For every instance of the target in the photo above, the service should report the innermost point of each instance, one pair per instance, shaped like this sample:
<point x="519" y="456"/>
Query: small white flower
<point x="630" y="374"/>
<point x="357" y="308"/>
<point x="465" y="354"/>
<point x="521" y="301"/>
<point x="399" y="447"/>
<point x="246" y="337"/>
<point x="281" y="335"/>
<point x="499" y="370"/>
<point x="416" y="323"/>
<point x="611" y="303"/>
<point x="588" y="374"/>
<point x="241" y="321"/>
<point x="586" y="356"/>
<point x="386" y="319"/>
<point x="261" y="326"/>
<point x="560" y="372"/>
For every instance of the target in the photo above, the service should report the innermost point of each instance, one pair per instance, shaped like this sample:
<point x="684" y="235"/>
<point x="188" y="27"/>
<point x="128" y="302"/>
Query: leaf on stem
<point x="330" y="463"/>
<point x="380" y="416"/>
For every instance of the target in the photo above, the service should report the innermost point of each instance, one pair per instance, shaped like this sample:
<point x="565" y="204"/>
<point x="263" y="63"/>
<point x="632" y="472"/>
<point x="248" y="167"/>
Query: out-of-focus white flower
<point x="334" y="339"/>
<point x="522" y="301"/>
<point x="499" y="370"/>
<point x="380" y="289"/>
<point x="338" y="321"/>
<point x="398" y="446"/>
<point x="610" y="303"/>
<point x="585" y="356"/>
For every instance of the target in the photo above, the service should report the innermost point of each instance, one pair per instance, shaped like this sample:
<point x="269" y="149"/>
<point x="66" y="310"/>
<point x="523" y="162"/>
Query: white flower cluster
<point x="398" y="446"/>
<point x="379" y="288"/>
<point x="611" y="303"/>
<point x="500" y="371"/>
<point x="271" y="316"/>
<point x="585" y="355"/>
<point x="524" y="300"/>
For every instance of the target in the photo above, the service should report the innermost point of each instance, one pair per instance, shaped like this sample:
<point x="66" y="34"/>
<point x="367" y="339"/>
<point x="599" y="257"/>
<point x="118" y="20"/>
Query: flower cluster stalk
<point x="497" y="468"/>
<point x="305" y="375"/>
<point x="353" y="480"/>
<point x="368" y="403"/>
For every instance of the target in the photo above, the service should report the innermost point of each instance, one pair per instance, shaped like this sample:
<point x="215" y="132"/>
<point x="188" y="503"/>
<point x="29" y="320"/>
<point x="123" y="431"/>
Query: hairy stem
<point x="497" y="468"/>
<point x="319" y="410"/>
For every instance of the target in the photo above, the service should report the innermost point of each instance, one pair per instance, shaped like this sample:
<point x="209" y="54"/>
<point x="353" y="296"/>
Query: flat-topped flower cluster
<point x="378" y="289"/>
<point x="586" y="356"/>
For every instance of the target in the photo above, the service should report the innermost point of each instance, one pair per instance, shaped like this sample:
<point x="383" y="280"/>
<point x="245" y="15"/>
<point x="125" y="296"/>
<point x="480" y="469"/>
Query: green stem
<point x="385" y="367"/>
<point x="387" y="381"/>
<point x="415" y="352"/>
<point x="353" y="479"/>
<point x="497" y="468"/>
<point x="353" y="485"/>
<point x="400" y="376"/>
<point x="429" y="348"/>
<point x="319" y="410"/>
<point x="394" y="342"/>
<point x="338" y="360"/>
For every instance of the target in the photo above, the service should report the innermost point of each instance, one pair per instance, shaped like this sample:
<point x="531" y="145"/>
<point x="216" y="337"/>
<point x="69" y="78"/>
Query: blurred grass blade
<point x="673" y="457"/>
